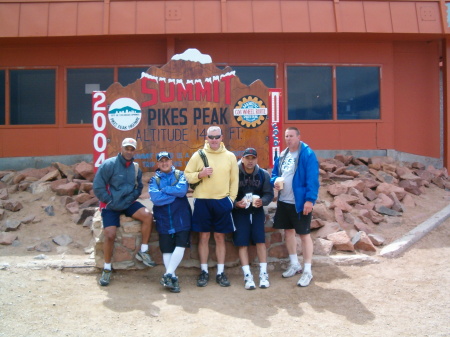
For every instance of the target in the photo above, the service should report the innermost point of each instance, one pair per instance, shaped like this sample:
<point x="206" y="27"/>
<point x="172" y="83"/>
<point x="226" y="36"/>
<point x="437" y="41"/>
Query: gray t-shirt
<point x="288" y="170"/>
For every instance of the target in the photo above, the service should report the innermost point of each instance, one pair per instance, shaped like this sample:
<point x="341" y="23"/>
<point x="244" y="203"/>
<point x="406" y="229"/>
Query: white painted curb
<point x="399" y="246"/>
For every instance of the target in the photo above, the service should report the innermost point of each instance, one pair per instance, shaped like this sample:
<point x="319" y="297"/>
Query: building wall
<point x="409" y="84"/>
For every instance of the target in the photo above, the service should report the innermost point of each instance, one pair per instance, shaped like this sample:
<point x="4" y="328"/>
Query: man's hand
<point x="241" y="204"/>
<point x="307" y="207"/>
<point x="206" y="171"/>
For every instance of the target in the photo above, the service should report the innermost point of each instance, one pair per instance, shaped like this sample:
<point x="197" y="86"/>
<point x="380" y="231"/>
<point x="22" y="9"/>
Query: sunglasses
<point x="214" y="137"/>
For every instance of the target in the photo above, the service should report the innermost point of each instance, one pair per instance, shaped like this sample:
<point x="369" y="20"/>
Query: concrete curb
<point x="399" y="246"/>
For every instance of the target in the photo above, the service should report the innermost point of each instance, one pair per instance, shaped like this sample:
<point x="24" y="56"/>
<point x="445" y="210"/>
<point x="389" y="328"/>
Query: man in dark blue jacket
<point x="295" y="176"/>
<point x="254" y="192"/>
<point x="118" y="184"/>
<point x="172" y="213"/>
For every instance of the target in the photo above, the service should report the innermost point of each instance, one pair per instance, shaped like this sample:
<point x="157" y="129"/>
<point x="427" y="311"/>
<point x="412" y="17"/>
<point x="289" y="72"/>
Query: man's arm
<point x="234" y="177"/>
<point x="268" y="194"/>
<point x="101" y="180"/>
<point x="179" y="189"/>
<point x="193" y="168"/>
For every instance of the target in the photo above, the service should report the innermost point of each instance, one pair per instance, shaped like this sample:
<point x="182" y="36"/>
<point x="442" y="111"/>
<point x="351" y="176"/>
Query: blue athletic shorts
<point x="249" y="228"/>
<point x="112" y="218"/>
<point x="213" y="215"/>
<point x="168" y="242"/>
<point x="286" y="217"/>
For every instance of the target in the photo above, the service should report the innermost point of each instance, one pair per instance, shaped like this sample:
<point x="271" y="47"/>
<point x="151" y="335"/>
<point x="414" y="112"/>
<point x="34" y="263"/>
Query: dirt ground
<point x="405" y="296"/>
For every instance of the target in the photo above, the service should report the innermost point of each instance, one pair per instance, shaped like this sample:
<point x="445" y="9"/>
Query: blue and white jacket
<point x="306" y="177"/>
<point x="171" y="208"/>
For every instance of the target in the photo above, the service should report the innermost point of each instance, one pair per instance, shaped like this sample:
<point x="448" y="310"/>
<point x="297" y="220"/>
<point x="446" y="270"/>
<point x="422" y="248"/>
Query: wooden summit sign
<point x="170" y="109"/>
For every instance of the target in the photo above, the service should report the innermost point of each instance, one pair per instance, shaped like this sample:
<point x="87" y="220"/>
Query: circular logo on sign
<point x="124" y="114"/>
<point x="250" y="112"/>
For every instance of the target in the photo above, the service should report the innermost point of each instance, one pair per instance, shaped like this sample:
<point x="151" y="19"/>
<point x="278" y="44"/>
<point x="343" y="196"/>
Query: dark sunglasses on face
<point x="214" y="137"/>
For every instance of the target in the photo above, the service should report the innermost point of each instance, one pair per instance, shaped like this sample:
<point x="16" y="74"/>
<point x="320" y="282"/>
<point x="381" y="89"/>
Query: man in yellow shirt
<point x="214" y="198"/>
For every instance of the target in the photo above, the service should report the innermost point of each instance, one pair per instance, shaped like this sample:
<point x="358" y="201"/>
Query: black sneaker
<point x="105" y="278"/>
<point x="223" y="280"/>
<point x="175" y="285"/>
<point x="203" y="279"/>
<point x="166" y="281"/>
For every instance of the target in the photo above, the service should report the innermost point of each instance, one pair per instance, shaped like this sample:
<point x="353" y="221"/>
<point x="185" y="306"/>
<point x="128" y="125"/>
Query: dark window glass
<point x="358" y="92"/>
<point x="2" y="97"/>
<point x="309" y="93"/>
<point x="32" y="96"/>
<point x="80" y="84"/>
<point x="130" y="75"/>
<point x="249" y="74"/>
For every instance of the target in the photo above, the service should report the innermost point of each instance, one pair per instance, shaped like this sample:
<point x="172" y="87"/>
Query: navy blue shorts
<point x="286" y="217"/>
<point x="168" y="242"/>
<point x="249" y="228"/>
<point x="213" y="215"/>
<point x="112" y="218"/>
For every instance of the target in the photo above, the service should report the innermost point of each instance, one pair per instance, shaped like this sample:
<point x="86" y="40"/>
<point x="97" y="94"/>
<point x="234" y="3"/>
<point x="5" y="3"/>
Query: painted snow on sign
<point x="193" y="55"/>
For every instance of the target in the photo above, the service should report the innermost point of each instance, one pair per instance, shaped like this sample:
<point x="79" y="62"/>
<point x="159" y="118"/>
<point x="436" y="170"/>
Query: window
<point x="80" y="84"/>
<point x="32" y="96"/>
<point x="356" y="92"/>
<point x="2" y="97"/>
<point x="309" y="92"/>
<point x="130" y="75"/>
<point x="249" y="74"/>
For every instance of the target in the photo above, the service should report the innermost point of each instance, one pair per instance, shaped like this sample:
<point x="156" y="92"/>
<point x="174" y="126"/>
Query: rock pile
<point x="365" y="192"/>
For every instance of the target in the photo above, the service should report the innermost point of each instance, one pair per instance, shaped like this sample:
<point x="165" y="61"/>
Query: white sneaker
<point x="264" y="280"/>
<point x="305" y="279"/>
<point x="292" y="270"/>
<point x="249" y="284"/>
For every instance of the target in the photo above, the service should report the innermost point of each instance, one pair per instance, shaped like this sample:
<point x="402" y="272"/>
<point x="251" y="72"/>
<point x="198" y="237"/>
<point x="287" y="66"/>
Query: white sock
<point x="144" y="248"/>
<point x="175" y="260"/>
<point x="204" y="267"/>
<point x="246" y="270"/>
<point x="220" y="268"/>
<point x="293" y="258"/>
<point x="107" y="266"/>
<point x="166" y="259"/>
<point x="307" y="268"/>
<point x="263" y="267"/>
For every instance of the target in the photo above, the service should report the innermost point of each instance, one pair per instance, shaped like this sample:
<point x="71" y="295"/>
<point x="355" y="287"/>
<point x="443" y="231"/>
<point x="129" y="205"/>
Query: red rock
<point x="362" y="242"/>
<point x="322" y="247"/>
<point x="341" y="241"/>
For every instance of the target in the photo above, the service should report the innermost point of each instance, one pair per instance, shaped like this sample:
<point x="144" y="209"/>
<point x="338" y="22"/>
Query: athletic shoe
<point x="305" y="280"/>
<point x="105" y="278"/>
<point x="176" y="285"/>
<point x="166" y="281"/>
<point x="292" y="270"/>
<point x="264" y="280"/>
<point x="249" y="284"/>
<point x="145" y="258"/>
<point x="203" y="279"/>
<point x="222" y="280"/>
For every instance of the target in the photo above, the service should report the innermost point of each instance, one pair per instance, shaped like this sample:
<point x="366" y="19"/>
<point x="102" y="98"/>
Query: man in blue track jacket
<point x="295" y="176"/>
<point x="172" y="213"/>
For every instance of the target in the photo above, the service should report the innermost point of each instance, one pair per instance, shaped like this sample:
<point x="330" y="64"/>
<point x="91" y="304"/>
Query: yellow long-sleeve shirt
<point x="223" y="182"/>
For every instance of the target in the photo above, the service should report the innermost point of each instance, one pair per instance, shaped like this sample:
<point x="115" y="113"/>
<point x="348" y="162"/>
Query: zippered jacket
<point x="116" y="184"/>
<point x="171" y="208"/>
<point x="306" y="176"/>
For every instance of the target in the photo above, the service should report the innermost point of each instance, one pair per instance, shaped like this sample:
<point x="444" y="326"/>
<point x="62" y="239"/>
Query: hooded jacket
<point x="306" y="177"/>
<point x="252" y="183"/>
<point x="171" y="208"/>
<point x="224" y="180"/>
<point x="115" y="183"/>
